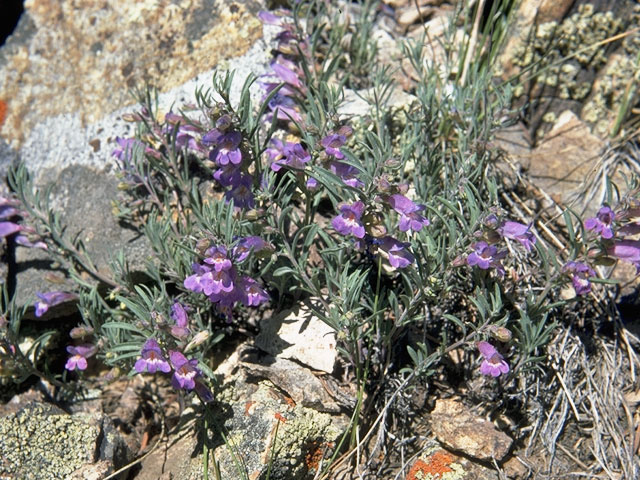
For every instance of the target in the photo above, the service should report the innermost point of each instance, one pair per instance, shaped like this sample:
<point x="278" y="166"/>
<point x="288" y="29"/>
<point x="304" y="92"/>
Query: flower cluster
<point x="615" y="240"/>
<point x="285" y="69"/>
<point x="232" y="164"/>
<point x="487" y="253"/>
<point x="218" y="278"/>
<point x="371" y="235"/>
<point x="9" y="213"/>
<point x="186" y="374"/>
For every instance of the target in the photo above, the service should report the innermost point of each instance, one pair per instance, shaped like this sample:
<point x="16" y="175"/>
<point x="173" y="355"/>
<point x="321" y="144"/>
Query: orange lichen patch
<point x="3" y="112"/>
<point x="434" y="466"/>
<point x="290" y="401"/>
<point x="280" y="418"/>
<point x="247" y="407"/>
<point x="314" y="454"/>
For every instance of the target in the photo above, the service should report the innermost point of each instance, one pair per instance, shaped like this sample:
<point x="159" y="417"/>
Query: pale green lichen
<point x="41" y="443"/>
<point x="554" y="42"/>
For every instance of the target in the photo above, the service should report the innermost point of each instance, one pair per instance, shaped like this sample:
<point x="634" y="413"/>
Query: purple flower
<point x="229" y="175"/>
<point x="123" y="151"/>
<point x="246" y="245"/>
<point x="51" y="299"/>
<point x="486" y="256"/>
<point x="8" y="228"/>
<point x="283" y="107"/>
<point x="179" y="315"/>
<point x="79" y="355"/>
<point x="288" y="154"/>
<point x="410" y="219"/>
<point x="396" y="252"/>
<point x="493" y="363"/>
<point x="241" y="193"/>
<point x="518" y="231"/>
<point x="284" y="69"/>
<point x="206" y="280"/>
<point x="347" y="173"/>
<point x="348" y="222"/>
<point x="332" y="144"/>
<point x="602" y="223"/>
<point x="227" y="150"/>
<point x="580" y="273"/>
<point x="217" y="257"/>
<point x="151" y="358"/>
<point x="254" y="294"/>
<point x="627" y="250"/>
<point x="185" y="371"/>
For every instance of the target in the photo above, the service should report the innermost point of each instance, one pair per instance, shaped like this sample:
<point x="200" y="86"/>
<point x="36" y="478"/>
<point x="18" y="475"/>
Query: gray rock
<point x="64" y="145"/>
<point x="460" y="430"/>
<point x="253" y="426"/>
<point x="42" y="442"/>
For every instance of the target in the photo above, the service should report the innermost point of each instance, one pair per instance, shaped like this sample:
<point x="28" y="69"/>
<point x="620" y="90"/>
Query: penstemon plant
<point x="389" y="224"/>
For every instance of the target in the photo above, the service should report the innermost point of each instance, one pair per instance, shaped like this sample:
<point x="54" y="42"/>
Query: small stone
<point x="459" y="430"/>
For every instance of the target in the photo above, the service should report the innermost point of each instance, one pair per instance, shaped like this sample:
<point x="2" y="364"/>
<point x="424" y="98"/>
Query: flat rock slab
<point x="563" y="163"/>
<point x="84" y="56"/>
<point x="301" y="336"/>
<point x="461" y="431"/>
<point x="42" y="442"/>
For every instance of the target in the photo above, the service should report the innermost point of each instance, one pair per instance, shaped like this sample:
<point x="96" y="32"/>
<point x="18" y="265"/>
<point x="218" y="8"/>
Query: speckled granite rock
<point x="83" y="56"/>
<point x="64" y="79"/>
<point x="257" y="419"/>
<point x="42" y="442"/>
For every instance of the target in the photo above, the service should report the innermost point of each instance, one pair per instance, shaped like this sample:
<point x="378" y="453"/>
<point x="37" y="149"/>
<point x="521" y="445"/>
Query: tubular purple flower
<point x="246" y="245"/>
<point x="410" y="219"/>
<point x="241" y="193"/>
<point x="292" y="155"/>
<point x="580" y="273"/>
<point x="493" y="363"/>
<point x="396" y="252"/>
<point x="254" y="294"/>
<point x="347" y="173"/>
<point x="332" y="144"/>
<point x="486" y="256"/>
<point x="51" y="299"/>
<point x="284" y="71"/>
<point x="228" y="176"/>
<point x="179" y="315"/>
<point x="79" y="355"/>
<point x="602" y="223"/>
<point x="518" y="231"/>
<point x="284" y="108"/>
<point x="627" y="250"/>
<point x="227" y="150"/>
<point x="348" y="222"/>
<point x="8" y="228"/>
<point x="216" y="256"/>
<point x="151" y="358"/>
<point x="185" y="371"/>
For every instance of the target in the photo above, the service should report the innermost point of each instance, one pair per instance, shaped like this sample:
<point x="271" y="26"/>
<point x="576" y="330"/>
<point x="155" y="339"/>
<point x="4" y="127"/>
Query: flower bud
<point x="374" y="224"/>
<point x="82" y="331"/>
<point x="501" y="334"/>
<point x="198" y="339"/>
